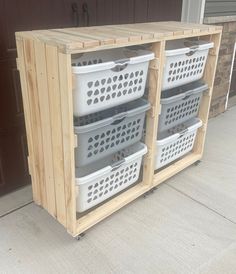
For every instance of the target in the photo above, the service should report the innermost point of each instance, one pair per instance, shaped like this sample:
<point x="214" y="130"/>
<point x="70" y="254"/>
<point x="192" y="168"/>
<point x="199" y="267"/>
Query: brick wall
<point x="222" y="79"/>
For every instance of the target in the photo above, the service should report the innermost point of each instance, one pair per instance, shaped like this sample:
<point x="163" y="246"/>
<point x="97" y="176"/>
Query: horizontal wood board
<point x="73" y="40"/>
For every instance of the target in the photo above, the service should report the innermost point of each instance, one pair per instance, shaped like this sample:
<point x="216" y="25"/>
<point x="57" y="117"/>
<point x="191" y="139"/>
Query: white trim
<point x="219" y="19"/>
<point x="230" y="78"/>
<point x="193" y="11"/>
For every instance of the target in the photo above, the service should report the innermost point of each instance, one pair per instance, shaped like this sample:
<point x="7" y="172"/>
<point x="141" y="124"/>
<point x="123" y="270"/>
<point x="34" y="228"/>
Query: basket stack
<point x="109" y="116"/>
<point x="182" y="90"/>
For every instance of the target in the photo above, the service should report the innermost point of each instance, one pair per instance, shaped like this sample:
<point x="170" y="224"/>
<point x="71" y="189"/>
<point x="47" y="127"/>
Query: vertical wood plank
<point x="155" y="84"/>
<point x="209" y="76"/>
<point x="43" y="96"/>
<point x="53" y="79"/>
<point x="27" y="115"/>
<point x="65" y="80"/>
<point x="29" y="56"/>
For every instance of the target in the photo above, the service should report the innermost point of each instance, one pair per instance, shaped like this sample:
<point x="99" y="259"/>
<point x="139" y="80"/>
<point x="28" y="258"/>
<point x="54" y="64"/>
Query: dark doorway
<point x="18" y="15"/>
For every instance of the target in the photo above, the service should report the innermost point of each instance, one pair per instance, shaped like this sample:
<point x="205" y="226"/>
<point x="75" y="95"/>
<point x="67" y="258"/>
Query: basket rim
<point x="142" y="105"/>
<point x="107" y="169"/>
<point x="202" y="45"/>
<point x="194" y="124"/>
<point x="142" y="56"/>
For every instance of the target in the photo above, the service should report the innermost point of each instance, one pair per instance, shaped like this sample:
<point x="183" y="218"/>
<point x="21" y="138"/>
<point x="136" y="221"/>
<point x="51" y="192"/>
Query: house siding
<point x="215" y="8"/>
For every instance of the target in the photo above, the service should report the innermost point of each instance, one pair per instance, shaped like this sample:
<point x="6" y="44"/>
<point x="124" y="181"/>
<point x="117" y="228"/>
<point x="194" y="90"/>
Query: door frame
<point x="193" y="11"/>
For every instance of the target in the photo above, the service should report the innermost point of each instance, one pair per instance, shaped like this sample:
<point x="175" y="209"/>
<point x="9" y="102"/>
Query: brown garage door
<point x="18" y="15"/>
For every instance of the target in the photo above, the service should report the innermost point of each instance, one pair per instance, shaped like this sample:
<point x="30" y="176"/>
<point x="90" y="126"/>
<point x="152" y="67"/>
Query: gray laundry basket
<point x="180" y="104"/>
<point x="103" y="133"/>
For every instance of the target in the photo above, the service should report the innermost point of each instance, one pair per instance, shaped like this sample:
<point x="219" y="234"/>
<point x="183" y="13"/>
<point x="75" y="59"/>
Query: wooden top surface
<point x="73" y="40"/>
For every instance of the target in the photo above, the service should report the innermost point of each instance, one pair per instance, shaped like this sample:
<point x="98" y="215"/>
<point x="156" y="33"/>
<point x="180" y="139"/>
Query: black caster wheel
<point x="151" y="191"/>
<point x="80" y="236"/>
<point x="197" y="163"/>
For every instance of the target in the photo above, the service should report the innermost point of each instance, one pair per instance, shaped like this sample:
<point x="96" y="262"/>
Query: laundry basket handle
<point x="193" y="49"/>
<point x="120" y="65"/>
<point x="183" y="132"/>
<point x="119" y="118"/>
<point x="118" y="164"/>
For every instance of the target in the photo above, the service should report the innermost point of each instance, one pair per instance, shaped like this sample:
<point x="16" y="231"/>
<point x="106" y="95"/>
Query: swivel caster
<point x="80" y="236"/>
<point x="151" y="191"/>
<point x="197" y="162"/>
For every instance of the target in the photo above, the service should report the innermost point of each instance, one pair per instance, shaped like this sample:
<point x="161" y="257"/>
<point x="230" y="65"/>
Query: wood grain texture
<point x="46" y="125"/>
<point x="75" y="40"/>
<point x="209" y="77"/>
<point x="27" y="112"/>
<point x="65" y="82"/>
<point x="155" y="83"/>
<point x="54" y="98"/>
<point x="35" y="121"/>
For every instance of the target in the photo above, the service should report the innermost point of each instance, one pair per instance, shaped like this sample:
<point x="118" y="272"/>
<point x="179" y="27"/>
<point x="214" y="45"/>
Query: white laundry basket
<point x="176" y="142"/>
<point x="103" y="179"/>
<point x="103" y="133"/>
<point x="185" y="62"/>
<point x="104" y="79"/>
<point x="180" y="104"/>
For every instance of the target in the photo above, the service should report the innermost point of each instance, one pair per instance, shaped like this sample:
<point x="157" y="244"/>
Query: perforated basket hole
<point x="101" y="143"/>
<point x="87" y="62"/>
<point x="179" y="70"/>
<point x="111" y="88"/>
<point x="180" y="146"/>
<point x="112" y="183"/>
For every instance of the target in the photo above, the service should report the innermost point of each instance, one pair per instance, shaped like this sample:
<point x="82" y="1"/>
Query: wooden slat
<point x="144" y="35"/>
<point x="86" y="42"/>
<point x="132" y="36"/>
<point x="147" y="27"/>
<point x="48" y="38"/>
<point x="202" y="27"/>
<point x="118" y="38"/>
<point x="30" y="71"/>
<point x="209" y="76"/>
<point x="110" y="207"/>
<point x="170" y="28"/>
<point x="155" y="85"/>
<point x="74" y="40"/>
<point x="65" y="80"/>
<point x="27" y="116"/>
<point x="103" y="40"/>
<point x="43" y="97"/>
<point x="56" y="130"/>
<point x="60" y="40"/>
<point x="176" y="167"/>
<point x="180" y="29"/>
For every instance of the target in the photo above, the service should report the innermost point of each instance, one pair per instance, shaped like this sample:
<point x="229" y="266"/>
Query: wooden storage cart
<point x="44" y="62"/>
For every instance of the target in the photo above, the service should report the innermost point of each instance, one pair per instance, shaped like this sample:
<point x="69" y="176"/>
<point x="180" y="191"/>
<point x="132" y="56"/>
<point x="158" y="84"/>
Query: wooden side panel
<point x="155" y="84"/>
<point x="43" y="97"/>
<point x="65" y="81"/>
<point x="27" y="111"/>
<point x="30" y="70"/>
<point x="54" y="98"/>
<point x="209" y="76"/>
